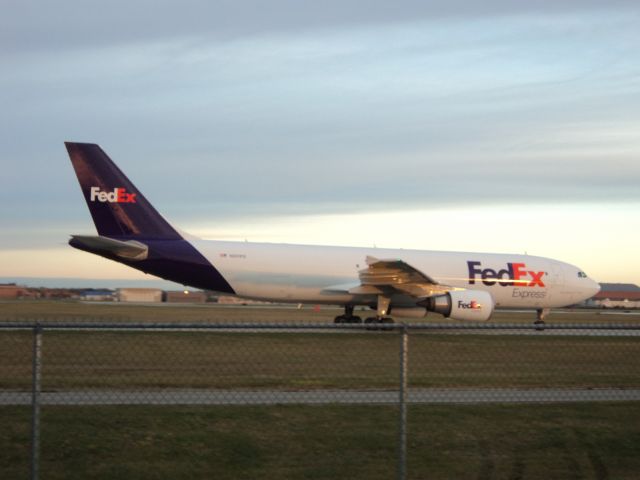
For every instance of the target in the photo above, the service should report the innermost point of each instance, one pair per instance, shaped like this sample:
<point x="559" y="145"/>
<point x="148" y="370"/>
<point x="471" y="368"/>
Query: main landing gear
<point x="381" y="312"/>
<point x="348" y="316"/>
<point x="375" y="322"/>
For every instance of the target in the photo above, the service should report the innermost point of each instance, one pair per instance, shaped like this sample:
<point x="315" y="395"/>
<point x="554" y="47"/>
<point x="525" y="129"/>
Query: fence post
<point x="402" y="430"/>
<point x="35" y="400"/>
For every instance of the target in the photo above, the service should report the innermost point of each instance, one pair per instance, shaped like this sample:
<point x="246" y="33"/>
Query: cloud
<point x="80" y="24"/>
<point x="223" y="107"/>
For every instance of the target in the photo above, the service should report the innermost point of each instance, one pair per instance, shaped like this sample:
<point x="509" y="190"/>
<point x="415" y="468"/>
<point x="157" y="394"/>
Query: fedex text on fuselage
<point x="514" y="274"/>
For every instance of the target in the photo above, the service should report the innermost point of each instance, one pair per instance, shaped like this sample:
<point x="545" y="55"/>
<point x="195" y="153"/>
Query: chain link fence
<point x="319" y="401"/>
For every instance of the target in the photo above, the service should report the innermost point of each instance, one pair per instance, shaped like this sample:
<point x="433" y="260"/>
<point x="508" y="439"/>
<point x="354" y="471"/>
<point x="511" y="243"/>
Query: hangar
<point x="12" y="291"/>
<point x="185" y="296"/>
<point x="617" y="295"/>
<point x="142" y="295"/>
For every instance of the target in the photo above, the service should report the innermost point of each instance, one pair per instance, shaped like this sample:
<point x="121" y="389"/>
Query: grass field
<point x="366" y="360"/>
<point x="575" y="441"/>
<point x="98" y="359"/>
<point x="596" y="441"/>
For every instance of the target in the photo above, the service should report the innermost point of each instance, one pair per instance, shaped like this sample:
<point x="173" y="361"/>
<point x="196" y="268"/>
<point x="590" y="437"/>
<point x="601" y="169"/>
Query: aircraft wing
<point x="387" y="277"/>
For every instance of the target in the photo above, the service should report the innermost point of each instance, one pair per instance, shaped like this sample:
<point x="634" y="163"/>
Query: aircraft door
<point x="555" y="279"/>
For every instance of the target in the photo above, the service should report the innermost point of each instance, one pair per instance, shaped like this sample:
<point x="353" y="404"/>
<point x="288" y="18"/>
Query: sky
<point x="493" y="126"/>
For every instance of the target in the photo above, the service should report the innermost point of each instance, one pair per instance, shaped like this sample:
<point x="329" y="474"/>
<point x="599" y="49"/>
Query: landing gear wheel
<point x="386" y="321"/>
<point x="371" y="321"/>
<point x="348" y="316"/>
<point x="539" y="324"/>
<point x="378" y="322"/>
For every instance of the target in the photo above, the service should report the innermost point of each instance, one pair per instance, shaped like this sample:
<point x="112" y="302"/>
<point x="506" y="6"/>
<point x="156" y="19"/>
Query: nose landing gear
<point x="541" y="313"/>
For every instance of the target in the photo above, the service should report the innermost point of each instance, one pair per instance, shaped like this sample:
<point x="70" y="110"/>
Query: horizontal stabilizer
<point x="130" y="249"/>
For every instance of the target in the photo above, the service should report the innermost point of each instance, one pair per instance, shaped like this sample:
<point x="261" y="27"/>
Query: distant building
<point x="231" y="300"/>
<point x="11" y="291"/>
<point x="139" y="295"/>
<point x="616" y="295"/>
<point x="97" y="295"/>
<point x="59" y="293"/>
<point x="185" y="296"/>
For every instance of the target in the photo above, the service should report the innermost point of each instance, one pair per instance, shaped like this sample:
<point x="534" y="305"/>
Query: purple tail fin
<point x="117" y="207"/>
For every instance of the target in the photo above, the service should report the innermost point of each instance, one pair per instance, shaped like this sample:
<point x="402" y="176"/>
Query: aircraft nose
<point x="592" y="289"/>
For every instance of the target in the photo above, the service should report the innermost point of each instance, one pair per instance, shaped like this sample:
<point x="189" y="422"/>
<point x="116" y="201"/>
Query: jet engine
<point x="462" y="305"/>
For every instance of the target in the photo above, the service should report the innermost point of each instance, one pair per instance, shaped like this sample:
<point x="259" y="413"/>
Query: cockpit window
<point x="582" y="275"/>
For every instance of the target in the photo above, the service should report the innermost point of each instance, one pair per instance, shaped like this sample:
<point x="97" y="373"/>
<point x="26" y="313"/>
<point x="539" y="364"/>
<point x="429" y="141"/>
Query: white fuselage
<point x="306" y="273"/>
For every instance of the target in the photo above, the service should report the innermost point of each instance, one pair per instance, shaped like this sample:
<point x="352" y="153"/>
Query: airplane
<point x="400" y="283"/>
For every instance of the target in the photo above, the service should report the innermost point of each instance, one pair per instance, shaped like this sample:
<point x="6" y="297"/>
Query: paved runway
<point x="547" y="332"/>
<point x="317" y="397"/>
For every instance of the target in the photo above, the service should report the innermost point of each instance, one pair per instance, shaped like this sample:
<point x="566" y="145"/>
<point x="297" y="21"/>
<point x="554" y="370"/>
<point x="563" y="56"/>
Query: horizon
<point x="90" y="283"/>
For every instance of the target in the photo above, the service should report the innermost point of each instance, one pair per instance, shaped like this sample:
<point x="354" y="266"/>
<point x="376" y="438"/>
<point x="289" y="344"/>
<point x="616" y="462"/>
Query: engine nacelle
<point x="474" y="305"/>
